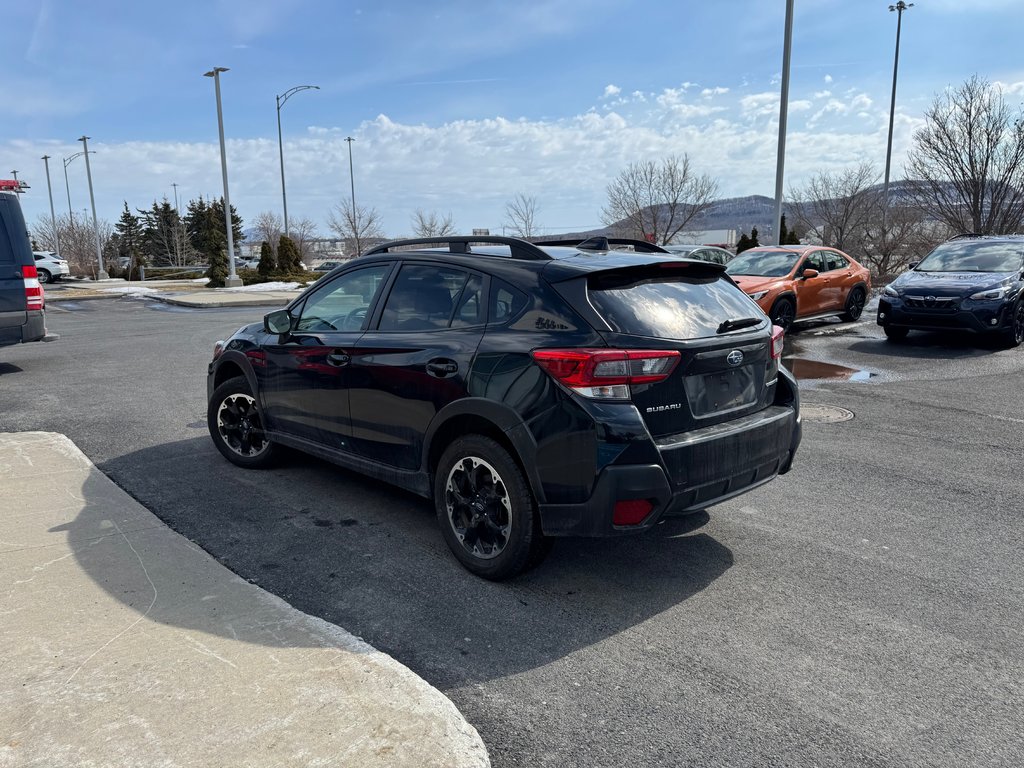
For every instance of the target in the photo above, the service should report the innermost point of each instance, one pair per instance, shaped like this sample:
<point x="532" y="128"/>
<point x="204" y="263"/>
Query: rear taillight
<point x="607" y="374"/>
<point x="777" y="339"/>
<point x="33" y="290"/>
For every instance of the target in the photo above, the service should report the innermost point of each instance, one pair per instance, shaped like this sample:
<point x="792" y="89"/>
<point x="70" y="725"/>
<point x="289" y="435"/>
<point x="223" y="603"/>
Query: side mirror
<point x="913" y="264"/>
<point x="278" y="322"/>
<point x="808" y="273"/>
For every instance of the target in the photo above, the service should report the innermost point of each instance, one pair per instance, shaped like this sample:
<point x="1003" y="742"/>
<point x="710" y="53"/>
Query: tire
<point x="44" y="275"/>
<point x="1014" y="335"/>
<point x="487" y="514"/>
<point x="236" y="425"/>
<point x="895" y="334"/>
<point x="783" y="313"/>
<point x="854" y="305"/>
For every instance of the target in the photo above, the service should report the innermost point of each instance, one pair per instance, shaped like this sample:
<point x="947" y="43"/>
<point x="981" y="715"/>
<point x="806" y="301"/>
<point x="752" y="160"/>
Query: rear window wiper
<point x="743" y="322"/>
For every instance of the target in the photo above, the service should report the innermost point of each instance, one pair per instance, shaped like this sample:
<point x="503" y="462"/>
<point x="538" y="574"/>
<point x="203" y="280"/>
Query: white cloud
<point x="611" y="90"/>
<point x="828" y="79"/>
<point x="718" y="91"/>
<point x="473" y="167"/>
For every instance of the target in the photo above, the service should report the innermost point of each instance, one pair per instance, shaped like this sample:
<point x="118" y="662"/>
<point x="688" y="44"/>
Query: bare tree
<point x="432" y="224"/>
<point x="356" y="226"/>
<point x="303" y="234"/>
<point x="843" y="205"/>
<point x="656" y="201"/>
<point x="967" y="166"/>
<point x="906" y="236"/>
<point x="77" y="240"/>
<point x="521" y="215"/>
<point x="268" y="228"/>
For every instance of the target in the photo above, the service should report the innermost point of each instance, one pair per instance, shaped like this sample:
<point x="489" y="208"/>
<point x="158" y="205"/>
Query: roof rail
<point x="964" y="235"/>
<point x="519" y="249"/>
<point x="602" y="243"/>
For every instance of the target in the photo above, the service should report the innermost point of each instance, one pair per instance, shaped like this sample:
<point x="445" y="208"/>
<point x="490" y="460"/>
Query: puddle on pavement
<point x="808" y="370"/>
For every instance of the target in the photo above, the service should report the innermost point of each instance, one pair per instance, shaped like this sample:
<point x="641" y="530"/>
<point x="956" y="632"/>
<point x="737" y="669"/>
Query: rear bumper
<point x="701" y="468"/>
<point x="979" y="319"/>
<point x="33" y="329"/>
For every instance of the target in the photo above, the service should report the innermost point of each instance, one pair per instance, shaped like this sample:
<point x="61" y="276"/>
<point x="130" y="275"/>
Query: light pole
<point x="780" y="161"/>
<point x="53" y="215"/>
<point x="900" y="7"/>
<point x="100" y="272"/>
<point x="352" y="183"/>
<point x="233" y="279"/>
<point x="280" y="144"/>
<point x="67" y="187"/>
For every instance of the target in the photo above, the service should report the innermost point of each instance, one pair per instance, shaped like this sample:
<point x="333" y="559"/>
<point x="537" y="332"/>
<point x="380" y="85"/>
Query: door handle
<point x="442" y="368"/>
<point x="338" y="359"/>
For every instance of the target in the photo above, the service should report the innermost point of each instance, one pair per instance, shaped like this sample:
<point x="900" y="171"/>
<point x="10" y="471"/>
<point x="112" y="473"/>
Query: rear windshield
<point x="669" y="307"/>
<point x="968" y="256"/>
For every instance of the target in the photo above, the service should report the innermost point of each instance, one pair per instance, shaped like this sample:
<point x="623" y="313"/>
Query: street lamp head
<point x="215" y="71"/>
<point x="901" y="6"/>
<point x="84" y="138"/>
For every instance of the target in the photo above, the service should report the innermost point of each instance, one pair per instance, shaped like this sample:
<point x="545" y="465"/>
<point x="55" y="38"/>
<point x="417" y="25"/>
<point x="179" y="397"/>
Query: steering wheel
<point x="354" y="319"/>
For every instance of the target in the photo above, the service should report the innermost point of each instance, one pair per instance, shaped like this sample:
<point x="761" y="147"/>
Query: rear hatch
<point x="726" y="368"/>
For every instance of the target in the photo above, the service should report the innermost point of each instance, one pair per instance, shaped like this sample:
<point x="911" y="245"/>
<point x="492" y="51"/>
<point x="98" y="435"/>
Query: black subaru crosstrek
<point x="531" y="390"/>
<point x="969" y="283"/>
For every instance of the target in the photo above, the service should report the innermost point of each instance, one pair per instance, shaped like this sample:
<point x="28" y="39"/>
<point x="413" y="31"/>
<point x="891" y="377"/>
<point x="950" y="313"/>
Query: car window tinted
<point x="471" y="308"/>
<point x="834" y="260"/>
<point x="669" y="308"/>
<point x="968" y="256"/>
<point x="815" y="260"/>
<point x="506" y="301"/>
<point x="344" y="303"/>
<point x="763" y="263"/>
<point x="422" y="298"/>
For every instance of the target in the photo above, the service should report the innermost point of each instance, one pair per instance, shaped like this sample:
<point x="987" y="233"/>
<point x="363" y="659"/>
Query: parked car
<point x="802" y="282"/>
<point x="327" y="266"/>
<point x="970" y="283"/>
<point x="711" y="253"/>
<point x="50" y="267"/>
<point x="530" y="390"/>
<point x="22" y="302"/>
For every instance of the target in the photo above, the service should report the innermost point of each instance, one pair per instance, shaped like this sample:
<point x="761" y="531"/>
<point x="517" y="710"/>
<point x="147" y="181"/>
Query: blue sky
<point x="457" y="106"/>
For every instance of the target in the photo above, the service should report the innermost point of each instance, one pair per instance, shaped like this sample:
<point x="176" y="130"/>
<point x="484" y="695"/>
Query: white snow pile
<point x="130" y="290"/>
<point x="265" y="287"/>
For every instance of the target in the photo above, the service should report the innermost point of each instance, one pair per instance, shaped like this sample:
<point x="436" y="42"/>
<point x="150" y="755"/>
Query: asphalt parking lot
<point x="862" y="610"/>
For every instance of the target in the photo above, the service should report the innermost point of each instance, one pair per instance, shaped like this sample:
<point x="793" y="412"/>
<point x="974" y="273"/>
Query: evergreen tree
<point x="743" y="243"/>
<point x="288" y="257"/>
<point x="218" y="270"/>
<point x="217" y="210"/>
<point x="162" y="237"/>
<point x="128" y="239"/>
<point x="783" y="232"/>
<point x="268" y="264"/>
<point x="753" y="238"/>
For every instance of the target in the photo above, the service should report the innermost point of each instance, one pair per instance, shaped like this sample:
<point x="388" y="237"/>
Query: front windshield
<point x="973" y="256"/>
<point x="763" y="263"/>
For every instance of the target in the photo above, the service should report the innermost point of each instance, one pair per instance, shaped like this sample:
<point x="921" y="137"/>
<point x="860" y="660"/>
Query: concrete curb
<point x="123" y="643"/>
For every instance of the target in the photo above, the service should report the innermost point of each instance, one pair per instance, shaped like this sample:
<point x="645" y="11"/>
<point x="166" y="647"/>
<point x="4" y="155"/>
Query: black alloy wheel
<point x="783" y="313"/>
<point x="486" y="510"/>
<point x="236" y="425"/>
<point x="854" y="305"/>
<point x="1014" y="335"/>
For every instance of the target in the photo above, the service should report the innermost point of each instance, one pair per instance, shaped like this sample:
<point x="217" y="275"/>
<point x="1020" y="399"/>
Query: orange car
<point x="802" y="282"/>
